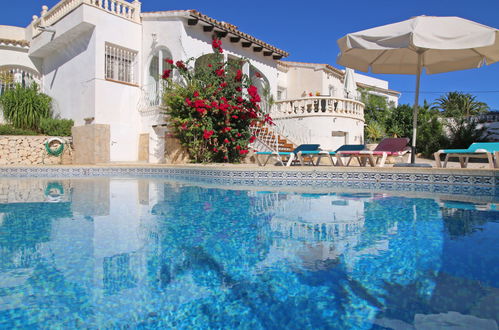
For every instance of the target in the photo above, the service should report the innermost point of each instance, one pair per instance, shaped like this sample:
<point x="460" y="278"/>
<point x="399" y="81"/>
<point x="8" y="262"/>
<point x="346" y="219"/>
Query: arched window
<point x="157" y="65"/>
<point x="203" y="61"/>
<point x="261" y="82"/>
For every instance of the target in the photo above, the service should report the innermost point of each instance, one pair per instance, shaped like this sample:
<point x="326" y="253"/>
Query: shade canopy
<point x="444" y="43"/>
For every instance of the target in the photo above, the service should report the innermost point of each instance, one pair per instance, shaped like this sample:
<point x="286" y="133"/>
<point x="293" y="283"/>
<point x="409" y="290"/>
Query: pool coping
<point x="480" y="182"/>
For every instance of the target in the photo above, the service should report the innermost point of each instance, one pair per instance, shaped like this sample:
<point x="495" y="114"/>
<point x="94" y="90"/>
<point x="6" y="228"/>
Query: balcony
<point x="318" y="106"/>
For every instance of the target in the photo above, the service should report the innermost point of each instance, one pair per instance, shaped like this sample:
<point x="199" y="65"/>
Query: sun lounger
<point x="394" y="147"/>
<point x="332" y="154"/>
<point x="286" y="158"/>
<point x="489" y="150"/>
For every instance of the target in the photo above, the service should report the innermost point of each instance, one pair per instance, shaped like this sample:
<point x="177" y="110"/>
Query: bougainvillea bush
<point x="211" y="108"/>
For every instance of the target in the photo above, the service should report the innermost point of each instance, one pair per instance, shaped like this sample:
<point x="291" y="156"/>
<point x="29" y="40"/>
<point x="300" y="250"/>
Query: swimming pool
<point x="151" y="252"/>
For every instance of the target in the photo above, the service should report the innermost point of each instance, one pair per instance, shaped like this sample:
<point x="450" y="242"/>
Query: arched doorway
<point x="261" y="82"/>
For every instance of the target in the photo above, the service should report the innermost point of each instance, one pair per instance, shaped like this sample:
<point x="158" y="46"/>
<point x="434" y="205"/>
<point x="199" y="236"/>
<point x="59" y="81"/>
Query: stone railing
<point x="121" y="8"/>
<point x="29" y="150"/>
<point x="11" y="75"/>
<point x="318" y="106"/>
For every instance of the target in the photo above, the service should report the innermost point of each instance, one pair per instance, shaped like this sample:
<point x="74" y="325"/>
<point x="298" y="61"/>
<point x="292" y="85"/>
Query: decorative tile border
<point x="452" y="182"/>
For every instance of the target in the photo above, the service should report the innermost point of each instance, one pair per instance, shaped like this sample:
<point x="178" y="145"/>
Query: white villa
<point x="101" y="61"/>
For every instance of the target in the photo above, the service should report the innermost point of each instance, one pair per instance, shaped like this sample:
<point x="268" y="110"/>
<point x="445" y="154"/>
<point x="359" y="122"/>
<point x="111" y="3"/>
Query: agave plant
<point x="25" y="107"/>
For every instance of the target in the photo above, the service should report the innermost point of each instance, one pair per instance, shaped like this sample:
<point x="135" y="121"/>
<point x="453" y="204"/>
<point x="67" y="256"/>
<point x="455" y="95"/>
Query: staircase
<point x="268" y="139"/>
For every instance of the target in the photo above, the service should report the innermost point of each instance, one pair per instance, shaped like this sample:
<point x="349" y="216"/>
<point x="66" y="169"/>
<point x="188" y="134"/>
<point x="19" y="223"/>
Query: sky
<point x="308" y="30"/>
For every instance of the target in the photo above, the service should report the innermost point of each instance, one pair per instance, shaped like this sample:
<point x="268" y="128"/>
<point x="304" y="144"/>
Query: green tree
<point x="430" y="130"/>
<point x="376" y="108"/>
<point x="463" y="132"/>
<point x="458" y="104"/>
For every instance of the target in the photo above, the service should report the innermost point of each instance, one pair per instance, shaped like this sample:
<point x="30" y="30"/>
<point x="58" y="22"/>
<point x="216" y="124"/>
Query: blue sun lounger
<point x="334" y="154"/>
<point x="489" y="150"/>
<point x="286" y="158"/>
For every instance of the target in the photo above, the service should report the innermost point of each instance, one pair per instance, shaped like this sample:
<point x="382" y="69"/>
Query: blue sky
<point x="308" y="30"/>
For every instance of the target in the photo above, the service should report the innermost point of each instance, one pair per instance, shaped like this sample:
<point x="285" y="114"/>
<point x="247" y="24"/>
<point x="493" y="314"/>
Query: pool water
<point x="156" y="253"/>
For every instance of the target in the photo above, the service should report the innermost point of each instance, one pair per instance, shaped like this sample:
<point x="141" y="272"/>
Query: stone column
<point x="91" y="144"/>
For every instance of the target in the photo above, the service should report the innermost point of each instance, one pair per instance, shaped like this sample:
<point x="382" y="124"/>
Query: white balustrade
<point x="122" y="8"/>
<point x="318" y="105"/>
<point x="10" y="76"/>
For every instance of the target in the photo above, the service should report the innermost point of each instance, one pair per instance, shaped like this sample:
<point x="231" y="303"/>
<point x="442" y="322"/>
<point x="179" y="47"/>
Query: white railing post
<point x="43" y="14"/>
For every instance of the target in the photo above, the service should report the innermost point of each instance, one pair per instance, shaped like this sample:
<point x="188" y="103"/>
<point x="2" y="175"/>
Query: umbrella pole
<point x="415" y="111"/>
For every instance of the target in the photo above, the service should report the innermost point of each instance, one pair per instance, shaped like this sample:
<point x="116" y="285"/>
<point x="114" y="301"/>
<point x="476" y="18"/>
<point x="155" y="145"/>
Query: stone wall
<point x="30" y="150"/>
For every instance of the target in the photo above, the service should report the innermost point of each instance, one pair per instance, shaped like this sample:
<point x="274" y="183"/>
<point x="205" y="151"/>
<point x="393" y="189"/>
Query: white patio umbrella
<point x="349" y="85"/>
<point x="437" y="44"/>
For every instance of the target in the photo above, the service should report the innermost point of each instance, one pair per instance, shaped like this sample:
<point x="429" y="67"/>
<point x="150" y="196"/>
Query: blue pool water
<point x="153" y="253"/>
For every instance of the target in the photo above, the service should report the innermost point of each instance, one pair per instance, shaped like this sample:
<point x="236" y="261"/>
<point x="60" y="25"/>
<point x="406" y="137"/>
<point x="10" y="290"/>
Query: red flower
<point x="207" y="134"/>
<point x="240" y="99"/>
<point x="238" y="134"/>
<point x="195" y="94"/>
<point x="226" y="141"/>
<point x="225" y="157"/>
<point x="166" y="74"/>
<point x="169" y="61"/>
<point x="181" y="65"/>
<point x="224" y="84"/>
<point x="209" y="65"/>
<point x="252" y="90"/>
<point x="243" y="152"/>
<point x="220" y="72"/>
<point x="252" y="139"/>
<point x="239" y="75"/>
<point x="184" y="126"/>
<point x="239" y="89"/>
<point x="201" y="111"/>
<point x="238" y="147"/>
<point x="188" y="101"/>
<point x="215" y="149"/>
<point x="235" y="117"/>
<point x="216" y="43"/>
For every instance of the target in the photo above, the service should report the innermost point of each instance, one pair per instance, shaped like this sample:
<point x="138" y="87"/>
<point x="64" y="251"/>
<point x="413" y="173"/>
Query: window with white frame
<point x="121" y="64"/>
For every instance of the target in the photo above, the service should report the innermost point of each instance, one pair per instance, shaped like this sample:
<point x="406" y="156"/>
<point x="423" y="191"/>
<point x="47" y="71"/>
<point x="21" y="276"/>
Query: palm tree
<point x="458" y="104"/>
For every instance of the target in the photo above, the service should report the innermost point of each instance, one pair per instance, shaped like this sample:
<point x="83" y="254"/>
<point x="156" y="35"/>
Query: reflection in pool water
<point x="154" y="253"/>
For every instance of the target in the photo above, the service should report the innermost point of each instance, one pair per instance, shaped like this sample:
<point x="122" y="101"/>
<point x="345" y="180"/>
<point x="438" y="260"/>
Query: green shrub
<point x="11" y="130"/>
<point x="25" y="107"/>
<point x="56" y="127"/>
<point x="374" y="132"/>
<point x="213" y="107"/>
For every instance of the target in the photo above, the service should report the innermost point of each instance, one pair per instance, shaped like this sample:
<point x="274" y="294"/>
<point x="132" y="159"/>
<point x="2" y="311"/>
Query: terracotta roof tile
<point x="22" y="43"/>
<point x="224" y="26"/>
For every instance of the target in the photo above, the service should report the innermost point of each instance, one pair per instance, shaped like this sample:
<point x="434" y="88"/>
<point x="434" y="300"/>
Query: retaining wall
<point x="29" y="150"/>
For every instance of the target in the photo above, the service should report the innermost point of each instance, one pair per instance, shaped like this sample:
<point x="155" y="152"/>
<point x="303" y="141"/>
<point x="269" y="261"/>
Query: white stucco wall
<point x="12" y="32"/>
<point x="73" y="74"/>
<point x="322" y="126"/>
<point x="15" y="55"/>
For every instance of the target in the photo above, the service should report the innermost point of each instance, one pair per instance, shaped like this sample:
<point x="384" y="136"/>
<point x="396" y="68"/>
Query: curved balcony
<point x="318" y="106"/>
<point x="15" y="74"/>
